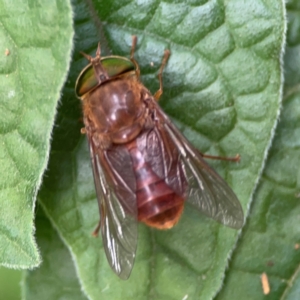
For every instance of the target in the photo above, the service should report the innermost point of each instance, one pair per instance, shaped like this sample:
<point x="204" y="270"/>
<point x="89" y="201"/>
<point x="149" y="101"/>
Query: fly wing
<point x="207" y="191"/>
<point x="161" y="154"/>
<point x="117" y="205"/>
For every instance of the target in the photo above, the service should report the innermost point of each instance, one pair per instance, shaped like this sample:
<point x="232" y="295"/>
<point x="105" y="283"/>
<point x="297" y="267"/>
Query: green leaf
<point x="36" y="40"/>
<point x="222" y="87"/>
<point x="270" y="241"/>
<point x="9" y="283"/>
<point x="56" y="277"/>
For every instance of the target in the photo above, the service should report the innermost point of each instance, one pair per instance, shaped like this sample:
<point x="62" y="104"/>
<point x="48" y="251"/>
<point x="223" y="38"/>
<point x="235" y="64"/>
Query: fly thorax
<point x="118" y="109"/>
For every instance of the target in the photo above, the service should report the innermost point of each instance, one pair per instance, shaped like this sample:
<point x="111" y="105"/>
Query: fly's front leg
<point x="136" y="65"/>
<point x="163" y="63"/>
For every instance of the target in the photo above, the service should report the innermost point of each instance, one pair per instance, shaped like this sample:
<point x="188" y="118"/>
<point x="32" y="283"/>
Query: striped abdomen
<point x="158" y="204"/>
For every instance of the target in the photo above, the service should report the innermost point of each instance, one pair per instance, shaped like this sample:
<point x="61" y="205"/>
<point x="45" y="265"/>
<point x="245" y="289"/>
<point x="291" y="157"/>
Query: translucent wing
<point x="207" y="191"/>
<point x="117" y="205"/>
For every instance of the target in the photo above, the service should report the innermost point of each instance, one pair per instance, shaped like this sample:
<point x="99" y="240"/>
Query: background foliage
<point x="224" y="89"/>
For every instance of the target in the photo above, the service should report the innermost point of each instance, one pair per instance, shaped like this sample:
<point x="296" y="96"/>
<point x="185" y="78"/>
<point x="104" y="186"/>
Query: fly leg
<point x="136" y="65"/>
<point x="163" y="63"/>
<point x="236" y="158"/>
<point x="97" y="229"/>
<point x="137" y="68"/>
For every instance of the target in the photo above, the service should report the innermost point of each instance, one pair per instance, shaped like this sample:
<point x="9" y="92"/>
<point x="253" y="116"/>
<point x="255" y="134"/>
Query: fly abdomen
<point x="158" y="205"/>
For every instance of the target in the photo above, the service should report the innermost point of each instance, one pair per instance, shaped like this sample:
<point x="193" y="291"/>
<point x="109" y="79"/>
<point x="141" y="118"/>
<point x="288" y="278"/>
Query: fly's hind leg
<point x="235" y="159"/>
<point x="163" y="63"/>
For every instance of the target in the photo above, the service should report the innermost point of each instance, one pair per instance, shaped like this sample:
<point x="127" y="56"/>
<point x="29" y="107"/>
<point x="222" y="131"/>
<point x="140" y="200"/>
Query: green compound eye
<point x="114" y="66"/>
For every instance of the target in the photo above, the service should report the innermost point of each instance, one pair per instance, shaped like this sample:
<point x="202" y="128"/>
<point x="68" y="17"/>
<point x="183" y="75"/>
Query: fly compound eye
<point x="109" y="68"/>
